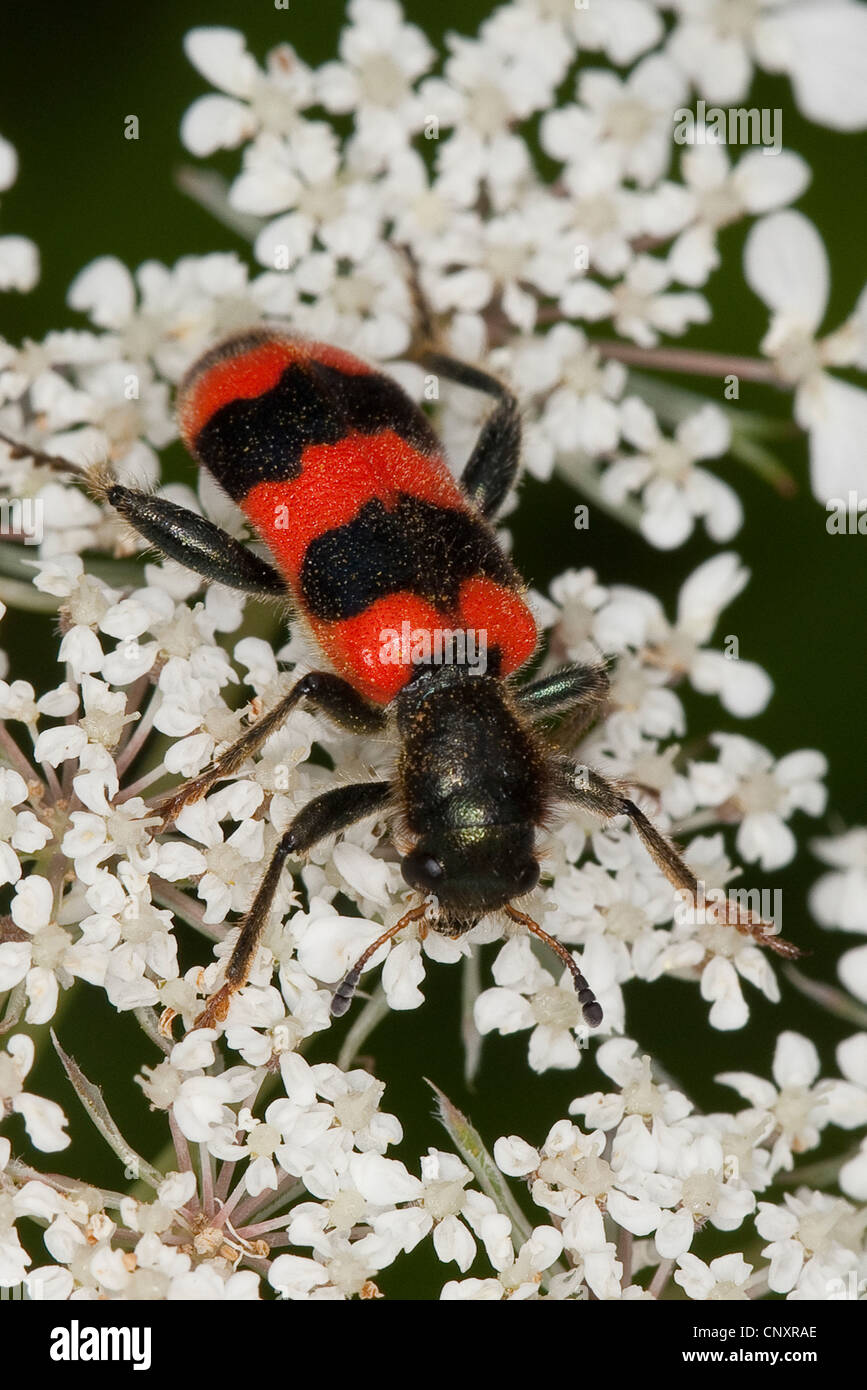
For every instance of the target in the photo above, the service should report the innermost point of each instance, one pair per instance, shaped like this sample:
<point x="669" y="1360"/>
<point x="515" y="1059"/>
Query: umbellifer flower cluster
<point x="280" y="1180"/>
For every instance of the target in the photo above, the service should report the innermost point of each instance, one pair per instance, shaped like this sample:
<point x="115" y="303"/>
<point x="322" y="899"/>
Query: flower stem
<point x="168" y="896"/>
<point x="206" y="1165"/>
<point x="140" y="784"/>
<point x="128" y="753"/>
<point x="264" y="1203"/>
<point x="579" y="471"/>
<point x="835" y="1001"/>
<point x="16" y="757"/>
<point x="263" y="1226"/>
<point x="365" y="1022"/>
<point x="660" y="1278"/>
<point x="93" y="1101"/>
<point x="624" y="1255"/>
<point x="54" y="786"/>
<point x="687" y="360"/>
<point x="471" y="1148"/>
<point x="471" y="985"/>
<point x="182" y="1148"/>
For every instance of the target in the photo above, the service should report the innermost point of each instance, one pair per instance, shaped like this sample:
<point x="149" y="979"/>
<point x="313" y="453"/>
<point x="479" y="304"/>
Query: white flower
<point x="570" y="1177"/>
<point x="181" y="310"/>
<point x="295" y="1277"/>
<point x="527" y="996"/>
<point x="819" y="43"/>
<point x="635" y="619"/>
<point x="641" y="306"/>
<point x="519" y="1278"/>
<point x="43" y="1119"/>
<point x="19" y="257"/>
<point x="585" y="1236"/>
<point x="488" y="84"/>
<point x="797" y="1112"/>
<point x="578" y="595"/>
<point x="719" y="194"/>
<point x="623" y="29"/>
<point x="625" y="122"/>
<point x="639" y="1093"/>
<point x="277" y="174"/>
<point x="762" y="793"/>
<point x="19" y="830"/>
<point x="503" y="259"/>
<point x="42" y="958"/>
<point x="580" y="397"/>
<point x="714" y="951"/>
<point x="227" y="869"/>
<point x="201" y="1108"/>
<point x="812" y="1233"/>
<point x="13" y="1257"/>
<point x="786" y="265"/>
<point x="703" y="1189"/>
<point x="852" y="1061"/>
<point x="305" y="1144"/>
<point x="673" y="490"/>
<point x="328" y="945"/>
<point x="724" y="1278"/>
<point x="381" y="56"/>
<point x="253" y="99"/>
<point x="19" y="263"/>
<point x="366" y="305"/>
<point x="355" y="1096"/>
<point x="452" y="1213"/>
<point x="743" y="687"/>
<point x="839" y="899"/>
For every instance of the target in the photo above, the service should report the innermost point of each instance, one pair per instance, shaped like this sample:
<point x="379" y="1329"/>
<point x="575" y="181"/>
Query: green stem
<point x="692" y="363"/>
<point x="834" y="1001"/>
<point x="211" y="191"/>
<point x="469" y="1144"/>
<point x="763" y="463"/>
<point x="471" y="984"/>
<point x="368" y="1019"/>
<point x="93" y="1101"/>
<point x="586" y="480"/>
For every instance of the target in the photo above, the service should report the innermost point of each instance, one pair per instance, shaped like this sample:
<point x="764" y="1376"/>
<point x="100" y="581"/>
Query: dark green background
<point x="68" y="78"/>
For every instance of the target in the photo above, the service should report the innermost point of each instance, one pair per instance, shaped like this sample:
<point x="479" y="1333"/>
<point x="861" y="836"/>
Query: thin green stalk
<point x="469" y="1144"/>
<point x="835" y="1001"/>
<point x="93" y="1101"/>
<point x="365" y="1022"/>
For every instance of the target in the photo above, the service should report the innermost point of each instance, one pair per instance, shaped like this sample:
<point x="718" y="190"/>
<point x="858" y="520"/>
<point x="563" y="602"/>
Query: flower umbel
<point x="526" y="206"/>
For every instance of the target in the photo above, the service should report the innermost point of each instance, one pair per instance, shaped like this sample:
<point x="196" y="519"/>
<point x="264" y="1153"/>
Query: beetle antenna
<point x="590" y="1006"/>
<point x="348" y="985"/>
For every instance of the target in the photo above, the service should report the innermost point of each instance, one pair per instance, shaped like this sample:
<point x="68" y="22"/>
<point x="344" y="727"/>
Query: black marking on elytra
<point x="371" y="402"/>
<point x="413" y="545"/>
<point x="263" y="438"/>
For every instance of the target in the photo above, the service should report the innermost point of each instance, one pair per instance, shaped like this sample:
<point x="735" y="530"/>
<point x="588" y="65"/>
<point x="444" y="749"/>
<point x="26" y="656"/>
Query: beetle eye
<point x="528" y="877"/>
<point x="422" y="871"/>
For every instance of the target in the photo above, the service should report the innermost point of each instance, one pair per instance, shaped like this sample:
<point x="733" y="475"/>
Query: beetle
<point x="342" y="477"/>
